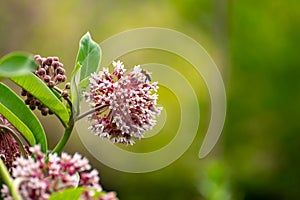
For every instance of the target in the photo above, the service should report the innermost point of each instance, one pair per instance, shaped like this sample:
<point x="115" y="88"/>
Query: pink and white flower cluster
<point x="125" y="105"/>
<point x="37" y="178"/>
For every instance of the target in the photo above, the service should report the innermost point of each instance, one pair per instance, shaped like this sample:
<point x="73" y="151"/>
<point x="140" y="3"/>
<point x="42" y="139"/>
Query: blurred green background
<point x="256" y="47"/>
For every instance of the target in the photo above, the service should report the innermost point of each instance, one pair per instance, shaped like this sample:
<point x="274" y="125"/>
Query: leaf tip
<point x="88" y="34"/>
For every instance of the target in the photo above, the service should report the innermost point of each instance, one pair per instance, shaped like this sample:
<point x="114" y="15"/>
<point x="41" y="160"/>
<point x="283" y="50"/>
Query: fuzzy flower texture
<point x="38" y="179"/>
<point x="9" y="147"/>
<point x="125" y="105"/>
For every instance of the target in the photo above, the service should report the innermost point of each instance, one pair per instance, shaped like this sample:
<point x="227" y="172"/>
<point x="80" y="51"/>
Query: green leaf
<point x="88" y="56"/>
<point x="75" y="96"/>
<point x="6" y="178"/>
<point x="40" y="90"/>
<point x="56" y="93"/>
<point x="21" y="117"/>
<point x="67" y="194"/>
<point x="18" y="124"/>
<point x="16" y="64"/>
<point x="87" y="62"/>
<point x="83" y="84"/>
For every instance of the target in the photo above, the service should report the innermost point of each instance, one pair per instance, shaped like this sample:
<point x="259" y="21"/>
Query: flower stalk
<point x="8" y="181"/>
<point x="97" y="108"/>
<point x="63" y="141"/>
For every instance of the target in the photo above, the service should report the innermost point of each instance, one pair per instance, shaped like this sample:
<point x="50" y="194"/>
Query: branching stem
<point x="68" y="129"/>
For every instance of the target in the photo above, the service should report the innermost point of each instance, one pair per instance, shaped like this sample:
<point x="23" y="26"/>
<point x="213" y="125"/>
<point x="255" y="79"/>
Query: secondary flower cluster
<point x="9" y="148"/>
<point x="37" y="178"/>
<point x="125" y="105"/>
<point x="51" y="71"/>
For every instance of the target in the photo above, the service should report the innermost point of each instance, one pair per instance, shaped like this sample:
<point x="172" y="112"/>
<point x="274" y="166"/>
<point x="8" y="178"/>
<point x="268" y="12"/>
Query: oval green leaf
<point x="16" y="64"/>
<point x="40" y="90"/>
<point x="89" y="56"/>
<point x="20" y="116"/>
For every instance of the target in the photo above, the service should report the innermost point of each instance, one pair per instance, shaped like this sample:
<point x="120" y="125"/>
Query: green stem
<point x="66" y="98"/>
<point x="8" y="181"/>
<point x="68" y="129"/>
<point x="60" y="145"/>
<point x="62" y="142"/>
<point x="90" y="112"/>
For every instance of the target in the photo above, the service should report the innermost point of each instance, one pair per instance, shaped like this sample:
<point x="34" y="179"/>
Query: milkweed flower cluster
<point x="9" y="147"/>
<point x="125" y="105"/>
<point x="52" y="73"/>
<point x="37" y="178"/>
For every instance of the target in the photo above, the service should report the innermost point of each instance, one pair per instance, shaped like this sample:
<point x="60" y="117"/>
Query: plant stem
<point x="90" y="112"/>
<point x="57" y="89"/>
<point x="66" y="98"/>
<point x="8" y="181"/>
<point x="62" y="142"/>
<point x="68" y="129"/>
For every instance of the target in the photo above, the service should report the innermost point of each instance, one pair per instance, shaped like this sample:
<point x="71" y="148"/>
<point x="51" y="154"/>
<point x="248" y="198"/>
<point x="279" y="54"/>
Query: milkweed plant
<point x="123" y="106"/>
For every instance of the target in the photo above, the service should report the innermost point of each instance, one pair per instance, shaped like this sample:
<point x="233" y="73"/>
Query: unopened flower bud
<point x="27" y="101"/>
<point x="39" y="60"/>
<point x="67" y="86"/>
<point x="51" y="84"/>
<point x="23" y="92"/>
<point x="59" y="77"/>
<point x="47" y="78"/>
<point x="37" y="57"/>
<point x="55" y="64"/>
<point x="45" y="111"/>
<point x="29" y="95"/>
<point x="37" y="102"/>
<point x="48" y="61"/>
<point x="65" y="93"/>
<point x="60" y="70"/>
<point x="32" y="106"/>
<point x="41" y="71"/>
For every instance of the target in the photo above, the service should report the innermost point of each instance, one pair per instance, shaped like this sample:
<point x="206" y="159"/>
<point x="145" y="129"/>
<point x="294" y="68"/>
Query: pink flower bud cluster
<point x="125" y="105"/>
<point x="51" y="71"/>
<point x="9" y="148"/>
<point x="37" y="178"/>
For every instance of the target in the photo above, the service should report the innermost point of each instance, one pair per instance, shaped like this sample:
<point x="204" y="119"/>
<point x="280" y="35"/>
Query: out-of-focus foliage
<point x="262" y="138"/>
<point x="255" y="45"/>
<point x="215" y="183"/>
